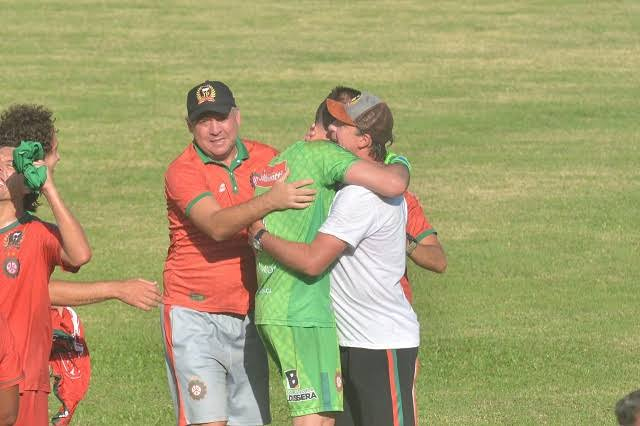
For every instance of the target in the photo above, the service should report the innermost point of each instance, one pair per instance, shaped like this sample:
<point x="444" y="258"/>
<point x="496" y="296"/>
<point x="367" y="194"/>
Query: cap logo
<point x="355" y="99"/>
<point x="205" y="93"/>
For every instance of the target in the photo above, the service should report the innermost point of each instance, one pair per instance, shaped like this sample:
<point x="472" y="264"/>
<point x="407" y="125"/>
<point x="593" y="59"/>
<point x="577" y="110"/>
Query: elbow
<point x="440" y="266"/>
<point x="313" y="269"/>
<point x="81" y="258"/>
<point x="219" y="235"/>
<point x="397" y="186"/>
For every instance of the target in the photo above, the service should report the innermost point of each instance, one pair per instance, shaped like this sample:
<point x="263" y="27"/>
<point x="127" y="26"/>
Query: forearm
<point x="224" y="223"/>
<point x="74" y="241"/>
<point x="296" y="256"/>
<point x="64" y="293"/>
<point x="431" y="257"/>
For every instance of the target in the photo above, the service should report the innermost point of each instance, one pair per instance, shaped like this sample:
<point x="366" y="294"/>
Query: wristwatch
<point x="412" y="243"/>
<point x="255" y="242"/>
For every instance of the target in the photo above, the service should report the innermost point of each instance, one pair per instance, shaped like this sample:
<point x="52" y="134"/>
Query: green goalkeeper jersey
<point x="286" y="297"/>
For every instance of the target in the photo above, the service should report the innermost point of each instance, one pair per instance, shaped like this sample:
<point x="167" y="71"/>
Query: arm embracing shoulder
<point x="388" y="181"/>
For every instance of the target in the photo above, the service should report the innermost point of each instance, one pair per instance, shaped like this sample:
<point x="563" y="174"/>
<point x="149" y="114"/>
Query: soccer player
<point x="377" y="328"/>
<point x="30" y="252"/>
<point x="423" y="246"/>
<point x="293" y="312"/>
<point x="10" y="376"/>
<point x="217" y="366"/>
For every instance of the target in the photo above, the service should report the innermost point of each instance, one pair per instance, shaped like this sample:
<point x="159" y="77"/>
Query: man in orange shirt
<point x="10" y="376"/>
<point x="216" y="363"/>
<point x="31" y="249"/>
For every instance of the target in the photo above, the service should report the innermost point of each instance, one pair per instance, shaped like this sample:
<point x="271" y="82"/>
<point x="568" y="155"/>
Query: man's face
<point x="346" y="136"/>
<point x="216" y="134"/>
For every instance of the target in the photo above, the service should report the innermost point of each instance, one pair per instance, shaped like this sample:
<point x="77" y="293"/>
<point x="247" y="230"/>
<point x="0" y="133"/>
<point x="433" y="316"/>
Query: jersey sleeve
<point x="184" y="187"/>
<point x="418" y="225"/>
<point x="10" y="366"/>
<point x="349" y="220"/>
<point x="335" y="162"/>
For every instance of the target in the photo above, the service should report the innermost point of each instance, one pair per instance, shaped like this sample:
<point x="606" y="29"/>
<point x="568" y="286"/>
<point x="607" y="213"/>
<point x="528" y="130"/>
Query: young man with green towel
<point x="30" y="251"/>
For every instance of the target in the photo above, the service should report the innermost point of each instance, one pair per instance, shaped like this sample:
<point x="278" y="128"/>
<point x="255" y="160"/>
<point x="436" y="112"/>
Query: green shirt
<point x="286" y="297"/>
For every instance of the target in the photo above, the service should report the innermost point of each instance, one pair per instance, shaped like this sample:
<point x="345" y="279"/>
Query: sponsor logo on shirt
<point x="267" y="269"/>
<point x="292" y="378"/>
<point x="301" y="395"/>
<point x="267" y="177"/>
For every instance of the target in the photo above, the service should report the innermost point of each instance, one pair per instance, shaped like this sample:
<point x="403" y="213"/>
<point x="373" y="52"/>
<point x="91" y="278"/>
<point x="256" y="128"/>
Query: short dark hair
<point x="21" y="122"/>
<point x="628" y="408"/>
<point x="338" y="93"/>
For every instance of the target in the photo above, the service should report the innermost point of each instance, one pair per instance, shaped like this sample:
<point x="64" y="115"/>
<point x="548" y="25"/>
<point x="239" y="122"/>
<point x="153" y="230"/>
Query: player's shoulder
<point x="184" y="161"/>
<point x="259" y="149"/>
<point x="36" y="225"/>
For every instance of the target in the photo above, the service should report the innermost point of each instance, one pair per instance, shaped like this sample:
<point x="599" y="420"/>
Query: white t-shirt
<point x="370" y="307"/>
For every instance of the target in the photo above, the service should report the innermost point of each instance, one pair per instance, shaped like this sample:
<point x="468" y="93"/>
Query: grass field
<point x="521" y="120"/>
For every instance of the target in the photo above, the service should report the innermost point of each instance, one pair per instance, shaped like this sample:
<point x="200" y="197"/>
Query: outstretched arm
<point x="137" y="292"/>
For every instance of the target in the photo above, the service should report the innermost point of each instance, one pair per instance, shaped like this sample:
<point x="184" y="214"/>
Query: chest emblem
<point x="11" y="267"/>
<point x="222" y="187"/>
<point x="13" y="239"/>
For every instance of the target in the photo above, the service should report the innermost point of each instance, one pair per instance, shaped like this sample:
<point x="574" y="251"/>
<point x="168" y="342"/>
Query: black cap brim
<point x="211" y="107"/>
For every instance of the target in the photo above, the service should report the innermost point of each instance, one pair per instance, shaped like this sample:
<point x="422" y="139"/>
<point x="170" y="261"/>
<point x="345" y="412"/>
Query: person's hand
<point x="254" y="228"/>
<point x="291" y="195"/>
<point x="49" y="182"/>
<point x="311" y="133"/>
<point x="139" y="293"/>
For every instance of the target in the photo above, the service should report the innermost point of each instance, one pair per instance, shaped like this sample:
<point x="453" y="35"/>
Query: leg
<point x="382" y="386"/>
<point x="196" y="367"/>
<point x="309" y="365"/>
<point x="248" y="378"/>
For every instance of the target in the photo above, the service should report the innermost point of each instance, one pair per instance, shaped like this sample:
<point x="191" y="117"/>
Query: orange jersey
<point x="10" y="365"/>
<point x="418" y="227"/>
<point x="201" y="273"/>
<point x="30" y="251"/>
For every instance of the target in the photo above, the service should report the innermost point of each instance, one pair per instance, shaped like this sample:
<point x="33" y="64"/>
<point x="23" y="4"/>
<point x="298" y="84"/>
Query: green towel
<point x="23" y="157"/>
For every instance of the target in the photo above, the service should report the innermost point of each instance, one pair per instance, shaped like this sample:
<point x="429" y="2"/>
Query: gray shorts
<point x="217" y="368"/>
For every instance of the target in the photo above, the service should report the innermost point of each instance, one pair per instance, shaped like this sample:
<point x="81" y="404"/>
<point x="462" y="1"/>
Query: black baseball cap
<point x="210" y="96"/>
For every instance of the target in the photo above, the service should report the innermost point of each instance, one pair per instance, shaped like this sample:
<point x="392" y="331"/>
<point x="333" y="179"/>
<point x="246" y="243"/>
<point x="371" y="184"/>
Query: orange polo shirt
<point x="30" y="251"/>
<point x="418" y="227"/>
<point x="201" y="273"/>
<point x="10" y="365"/>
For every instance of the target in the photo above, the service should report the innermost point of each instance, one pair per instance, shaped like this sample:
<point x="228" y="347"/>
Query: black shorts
<point x="378" y="387"/>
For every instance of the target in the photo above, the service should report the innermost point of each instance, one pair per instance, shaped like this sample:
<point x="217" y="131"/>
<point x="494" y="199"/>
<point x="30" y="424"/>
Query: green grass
<point x="521" y="120"/>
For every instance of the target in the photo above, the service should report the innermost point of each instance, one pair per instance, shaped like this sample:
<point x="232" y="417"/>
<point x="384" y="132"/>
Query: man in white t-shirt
<point x="378" y="330"/>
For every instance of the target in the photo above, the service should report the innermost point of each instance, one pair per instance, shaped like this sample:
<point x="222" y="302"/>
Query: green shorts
<point x="308" y="359"/>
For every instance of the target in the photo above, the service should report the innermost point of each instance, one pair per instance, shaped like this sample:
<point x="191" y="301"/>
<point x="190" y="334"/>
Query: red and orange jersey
<point x="418" y="227"/>
<point x="201" y="273"/>
<point x="30" y="251"/>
